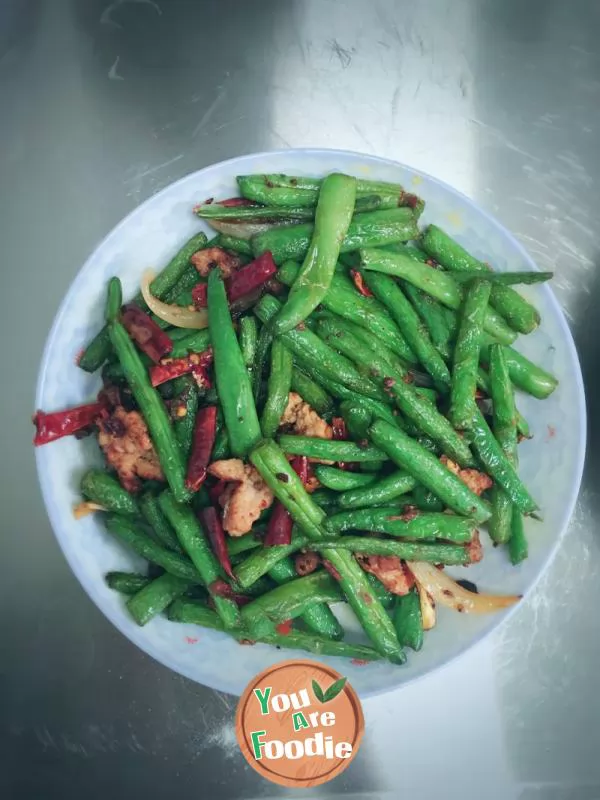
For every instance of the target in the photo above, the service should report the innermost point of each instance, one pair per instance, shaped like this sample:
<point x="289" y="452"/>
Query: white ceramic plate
<point x="551" y="464"/>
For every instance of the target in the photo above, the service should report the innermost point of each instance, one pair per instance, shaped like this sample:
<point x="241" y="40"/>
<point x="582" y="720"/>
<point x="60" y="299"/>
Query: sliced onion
<point x="175" y="315"/>
<point x="86" y="507"/>
<point x="243" y="230"/>
<point x="428" y="613"/>
<point x="448" y="592"/>
<point x="246" y="230"/>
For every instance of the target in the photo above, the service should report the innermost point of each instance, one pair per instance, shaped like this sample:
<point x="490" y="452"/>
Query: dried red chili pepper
<point x="279" y="529"/>
<point x="57" y="424"/>
<point x="222" y="589"/>
<point x="199" y="295"/>
<point x="170" y="368"/>
<point x="250" y="277"/>
<point x="214" y="492"/>
<point x="358" y="281"/>
<point x="236" y="201"/>
<point x="340" y="433"/>
<point x="145" y="332"/>
<point x="284" y="628"/>
<point x="211" y="522"/>
<point x="243" y="282"/>
<point x="205" y="431"/>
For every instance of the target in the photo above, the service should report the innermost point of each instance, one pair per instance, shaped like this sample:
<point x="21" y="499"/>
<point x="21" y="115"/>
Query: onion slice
<point x="448" y="592"/>
<point x="175" y="315"/>
<point x="427" y="604"/>
<point x="246" y="230"/>
<point x="86" y="507"/>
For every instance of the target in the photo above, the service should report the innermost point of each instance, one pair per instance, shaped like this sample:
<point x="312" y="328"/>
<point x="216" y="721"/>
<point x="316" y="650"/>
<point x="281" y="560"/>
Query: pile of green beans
<point x="399" y="340"/>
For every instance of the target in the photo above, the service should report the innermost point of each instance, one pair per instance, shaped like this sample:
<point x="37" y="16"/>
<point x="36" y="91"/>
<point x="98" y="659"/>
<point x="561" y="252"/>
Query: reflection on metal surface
<point x="502" y="100"/>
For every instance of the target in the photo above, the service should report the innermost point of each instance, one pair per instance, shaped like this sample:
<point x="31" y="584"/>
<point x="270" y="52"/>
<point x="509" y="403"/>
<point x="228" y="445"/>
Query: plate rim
<point x="89" y="587"/>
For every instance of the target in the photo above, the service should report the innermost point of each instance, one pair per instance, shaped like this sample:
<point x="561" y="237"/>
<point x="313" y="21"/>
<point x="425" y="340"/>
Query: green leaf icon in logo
<point x="331" y="692"/>
<point x="318" y="692"/>
<point x="335" y="688"/>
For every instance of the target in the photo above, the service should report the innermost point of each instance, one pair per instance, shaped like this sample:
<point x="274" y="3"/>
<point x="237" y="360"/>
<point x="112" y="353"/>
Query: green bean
<point x="357" y="419"/>
<point x="261" y="356"/>
<point x="408" y="621"/>
<point x="328" y="449"/>
<point x="333" y="215"/>
<point x="440" y="285"/>
<point x="371" y="229"/>
<point x="437" y="553"/>
<point x="504" y="278"/>
<point x="466" y="355"/>
<point x="96" y="353"/>
<point x="505" y="431"/>
<point x="248" y="340"/>
<point x="366" y="312"/>
<point x="126" y="582"/>
<point x="161" y="527"/>
<point x="143" y="545"/>
<point x="100" y="487"/>
<point x="290" y="600"/>
<point x="318" y="618"/>
<point x="519" y="314"/>
<point x="280" y="380"/>
<point x="340" y="480"/>
<point x="272" y="465"/>
<point x="153" y="410"/>
<point x="98" y="349"/>
<point x="197" y="613"/>
<point x="414" y="331"/>
<point x="425" y="467"/>
<point x="325" y="499"/>
<point x="517" y="544"/>
<point x="416" y="408"/>
<point x="156" y="596"/>
<point x="233" y="243"/>
<point x="233" y="382"/>
<point x="385" y="597"/>
<point x="306" y="345"/>
<point x="192" y="538"/>
<point x="193" y="342"/>
<point x="114" y="299"/>
<point x="383" y="491"/>
<point x="425" y="500"/>
<point x="415" y="525"/>
<point x="311" y="186"/>
<point x="434" y="316"/>
<point x="260" y="562"/>
<point x="188" y="394"/>
<point x="523" y="373"/>
<point x="498" y="466"/>
<point x="242" y="544"/>
<point x="221" y="448"/>
<point x="310" y="391"/>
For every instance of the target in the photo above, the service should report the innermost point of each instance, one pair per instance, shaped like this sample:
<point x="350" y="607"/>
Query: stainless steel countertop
<point x="103" y="105"/>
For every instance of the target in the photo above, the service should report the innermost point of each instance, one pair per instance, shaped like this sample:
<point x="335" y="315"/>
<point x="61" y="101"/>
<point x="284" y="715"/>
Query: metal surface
<point x="102" y="105"/>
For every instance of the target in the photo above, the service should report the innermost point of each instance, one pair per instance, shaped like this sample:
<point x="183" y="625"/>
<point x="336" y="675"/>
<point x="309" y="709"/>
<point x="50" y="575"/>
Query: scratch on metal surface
<point x="395" y="100"/>
<point x="45" y="738"/>
<point x="205" y="118"/>
<point x="362" y="136"/>
<point x="113" y="75"/>
<point x="224" y="698"/>
<point x="106" y="16"/>
<point x="344" y="55"/>
<point x="502" y="139"/>
<point x="138" y="176"/>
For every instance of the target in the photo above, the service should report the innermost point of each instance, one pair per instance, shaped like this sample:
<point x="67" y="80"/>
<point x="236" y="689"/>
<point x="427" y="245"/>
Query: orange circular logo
<point x="299" y="723"/>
